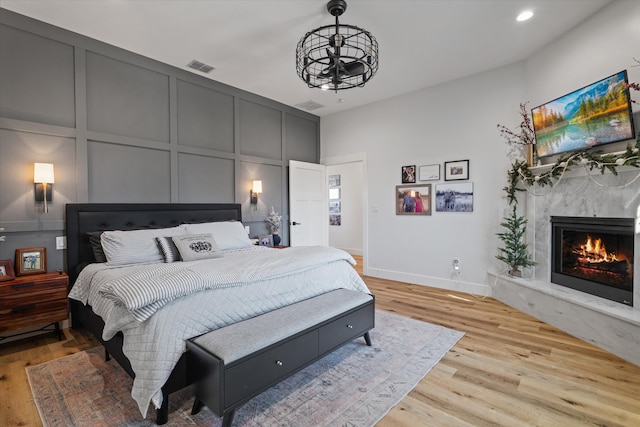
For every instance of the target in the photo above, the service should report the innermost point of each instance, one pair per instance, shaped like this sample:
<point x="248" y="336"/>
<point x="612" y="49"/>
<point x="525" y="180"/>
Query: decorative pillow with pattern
<point x="193" y="247"/>
<point x="168" y="249"/>
<point x="228" y="234"/>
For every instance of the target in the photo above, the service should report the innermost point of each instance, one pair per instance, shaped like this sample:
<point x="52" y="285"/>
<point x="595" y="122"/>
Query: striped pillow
<point x="168" y="249"/>
<point x="136" y="246"/>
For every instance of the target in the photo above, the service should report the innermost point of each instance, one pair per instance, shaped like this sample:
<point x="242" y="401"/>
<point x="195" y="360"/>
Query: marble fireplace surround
<point x="609" y="325"/>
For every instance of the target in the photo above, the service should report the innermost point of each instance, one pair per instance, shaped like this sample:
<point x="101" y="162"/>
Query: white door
<point x="308" y="204"/>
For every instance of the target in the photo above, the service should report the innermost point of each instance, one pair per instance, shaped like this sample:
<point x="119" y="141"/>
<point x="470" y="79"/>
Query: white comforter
<point x="156" y="316"/>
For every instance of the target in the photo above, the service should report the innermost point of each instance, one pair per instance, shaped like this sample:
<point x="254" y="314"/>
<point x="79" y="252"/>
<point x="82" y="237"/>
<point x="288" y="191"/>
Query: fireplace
<point x="594" y="255"/>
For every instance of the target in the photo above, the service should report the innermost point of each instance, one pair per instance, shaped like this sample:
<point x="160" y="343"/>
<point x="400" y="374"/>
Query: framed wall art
<point x="335" y="220"/>
<point x="334" y="193"/>
<point x="456" y="170"/>
<point x="6" y="270"/>
<point x="429" y="173"/>
<point x="457" y="197"/>
<point x="334" y="180"/>
<point x="31" y="261"/>
<point x="409" y="174"/>
<point x="266" y="240"/>
<point x="334" y="207"/>
<point x="413" y="199"/>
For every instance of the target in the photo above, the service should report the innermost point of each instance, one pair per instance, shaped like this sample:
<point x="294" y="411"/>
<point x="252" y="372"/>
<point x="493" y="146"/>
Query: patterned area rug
<point x="354" y="386"/>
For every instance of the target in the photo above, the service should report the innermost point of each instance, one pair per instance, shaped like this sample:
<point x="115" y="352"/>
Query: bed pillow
<point x="96" y="246"/>
<point x="193" y="247"/>
<point x="135" y="246"/>
<point x="228" y="234"/>
<point x="168" y="249"/>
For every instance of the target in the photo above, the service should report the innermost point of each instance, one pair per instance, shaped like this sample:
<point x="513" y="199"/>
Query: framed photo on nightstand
<point x="31" y="261"/>
<point x="6" y="270"/>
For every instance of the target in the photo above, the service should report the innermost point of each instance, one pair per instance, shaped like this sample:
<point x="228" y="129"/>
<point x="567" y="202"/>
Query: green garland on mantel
<point x="520" y="171"/>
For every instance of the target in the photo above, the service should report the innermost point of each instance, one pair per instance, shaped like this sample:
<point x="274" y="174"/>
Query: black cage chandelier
<point x="336" y="57"/>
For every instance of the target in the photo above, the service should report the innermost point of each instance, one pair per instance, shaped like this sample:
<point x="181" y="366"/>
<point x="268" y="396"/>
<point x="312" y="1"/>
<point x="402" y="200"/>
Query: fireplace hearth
<point x="594" y="255"/>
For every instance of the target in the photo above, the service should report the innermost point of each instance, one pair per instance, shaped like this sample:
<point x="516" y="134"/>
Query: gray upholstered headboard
<point x="82" y="218"/>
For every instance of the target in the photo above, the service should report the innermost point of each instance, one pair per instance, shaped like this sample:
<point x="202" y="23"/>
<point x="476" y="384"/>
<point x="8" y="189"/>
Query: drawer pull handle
<point x="279" y="363"/>
<point x="23" y="308"/>
<point x="21" y="285"/>
<point x="350" y="326"/>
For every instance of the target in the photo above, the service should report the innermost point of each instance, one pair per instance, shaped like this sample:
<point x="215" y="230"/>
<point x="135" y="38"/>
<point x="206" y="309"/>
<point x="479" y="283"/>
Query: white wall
<point x="457" y="120"/>
<point x="449" y="122"/>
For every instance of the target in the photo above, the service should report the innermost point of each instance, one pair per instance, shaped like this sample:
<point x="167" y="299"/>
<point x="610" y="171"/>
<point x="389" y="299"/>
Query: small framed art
<point x="335" y="220"/>
<point x="409" y="174"/>
<point x="334" y="193"/>
<point x="266" y="240"/>
<point x="456" y="170"/>
<point x="31" y="261"/>
<point x="413" y="199"/>
<point x="429" y="173"/>
<point x="334" y="180"/>
<point x="334" y="207"/>
<point x="6" y="270"/>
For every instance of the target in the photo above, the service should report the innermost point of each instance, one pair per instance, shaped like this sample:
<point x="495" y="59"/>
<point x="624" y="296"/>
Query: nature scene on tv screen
<point x="594" y="115"/>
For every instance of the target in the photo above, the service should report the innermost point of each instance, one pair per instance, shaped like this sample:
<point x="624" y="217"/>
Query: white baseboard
<point x="435" y="282"/>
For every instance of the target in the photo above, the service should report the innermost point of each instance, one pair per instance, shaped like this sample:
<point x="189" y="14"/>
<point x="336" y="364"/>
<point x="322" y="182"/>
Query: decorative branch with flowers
<point x="274" y="220"/>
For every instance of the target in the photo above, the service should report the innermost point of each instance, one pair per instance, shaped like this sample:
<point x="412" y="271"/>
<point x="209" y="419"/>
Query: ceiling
<point x="251" y="43"/>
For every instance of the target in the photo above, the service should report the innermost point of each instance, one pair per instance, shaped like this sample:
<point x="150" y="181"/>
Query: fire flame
<point x="593" y="250"/>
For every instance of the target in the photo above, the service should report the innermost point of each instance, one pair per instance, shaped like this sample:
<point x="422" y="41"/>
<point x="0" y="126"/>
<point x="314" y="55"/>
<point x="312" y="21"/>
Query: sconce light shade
<point x="255" y="190"/>
<point x="43" y="175"/>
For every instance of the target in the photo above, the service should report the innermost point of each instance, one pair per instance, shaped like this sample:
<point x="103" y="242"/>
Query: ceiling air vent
<point x="309" y="105"/>
<point x="200" y="66"/>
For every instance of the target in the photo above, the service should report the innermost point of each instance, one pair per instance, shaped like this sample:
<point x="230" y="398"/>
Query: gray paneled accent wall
<point x="120" y="127"/>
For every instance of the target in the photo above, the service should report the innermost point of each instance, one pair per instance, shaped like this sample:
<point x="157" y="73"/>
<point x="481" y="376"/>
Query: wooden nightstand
<point x="29" y="301"/>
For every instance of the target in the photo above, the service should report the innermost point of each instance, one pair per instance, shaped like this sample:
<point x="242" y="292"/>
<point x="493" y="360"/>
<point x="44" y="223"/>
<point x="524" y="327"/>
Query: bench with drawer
<point x="239" y="361"/>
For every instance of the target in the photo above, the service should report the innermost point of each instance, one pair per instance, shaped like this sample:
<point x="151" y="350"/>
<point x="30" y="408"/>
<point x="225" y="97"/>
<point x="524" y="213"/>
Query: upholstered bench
<point x="240" y="361"/>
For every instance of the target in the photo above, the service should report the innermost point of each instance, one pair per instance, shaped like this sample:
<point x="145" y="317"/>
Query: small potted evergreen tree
<point x="514" y="253"/>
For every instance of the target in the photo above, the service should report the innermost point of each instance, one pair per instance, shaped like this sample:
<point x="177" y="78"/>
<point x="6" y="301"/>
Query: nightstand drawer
<point x="26" y="315"/>
<point x="31" y="292"/>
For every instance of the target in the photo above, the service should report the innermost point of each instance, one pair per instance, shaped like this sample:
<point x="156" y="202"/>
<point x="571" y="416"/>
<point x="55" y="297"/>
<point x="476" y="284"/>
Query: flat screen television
<point x="597" y="114"/>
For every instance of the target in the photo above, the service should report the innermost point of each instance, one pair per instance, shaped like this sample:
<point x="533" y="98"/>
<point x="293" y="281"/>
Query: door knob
<point x="296" y="223"/>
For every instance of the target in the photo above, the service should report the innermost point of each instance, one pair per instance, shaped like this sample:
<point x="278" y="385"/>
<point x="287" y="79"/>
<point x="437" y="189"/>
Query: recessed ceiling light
<point x="342" y="100"/>
<point x="527" y="14"/>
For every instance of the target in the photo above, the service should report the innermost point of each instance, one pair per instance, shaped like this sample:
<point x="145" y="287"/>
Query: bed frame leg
<point x="162" y="413"/>
<point x="197" y="406"/>
<point x="367" y="339"/>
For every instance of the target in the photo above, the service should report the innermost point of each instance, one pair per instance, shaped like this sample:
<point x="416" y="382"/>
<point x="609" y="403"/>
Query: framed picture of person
<point x="31" y="261"/>
<point x="6" y="270"/>
<point x="409" y="174"/>
<point x="413" y="199"/>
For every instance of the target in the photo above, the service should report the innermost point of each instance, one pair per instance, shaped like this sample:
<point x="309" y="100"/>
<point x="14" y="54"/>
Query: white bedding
<point x="157" y="318"/>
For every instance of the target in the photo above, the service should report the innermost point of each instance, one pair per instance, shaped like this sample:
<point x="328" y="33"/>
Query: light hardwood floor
<point x="508" y="370"/>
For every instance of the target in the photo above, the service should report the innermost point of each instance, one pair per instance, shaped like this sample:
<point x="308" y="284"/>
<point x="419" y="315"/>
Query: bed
<point x="148" y="339"/>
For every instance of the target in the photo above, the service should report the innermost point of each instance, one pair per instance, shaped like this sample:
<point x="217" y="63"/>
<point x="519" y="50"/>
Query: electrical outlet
<point x="61" y="242"/>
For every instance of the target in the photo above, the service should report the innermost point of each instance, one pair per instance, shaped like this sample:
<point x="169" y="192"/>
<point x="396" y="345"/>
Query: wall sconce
<point x="257" y="189"/>
<point x="43" y="175"/>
